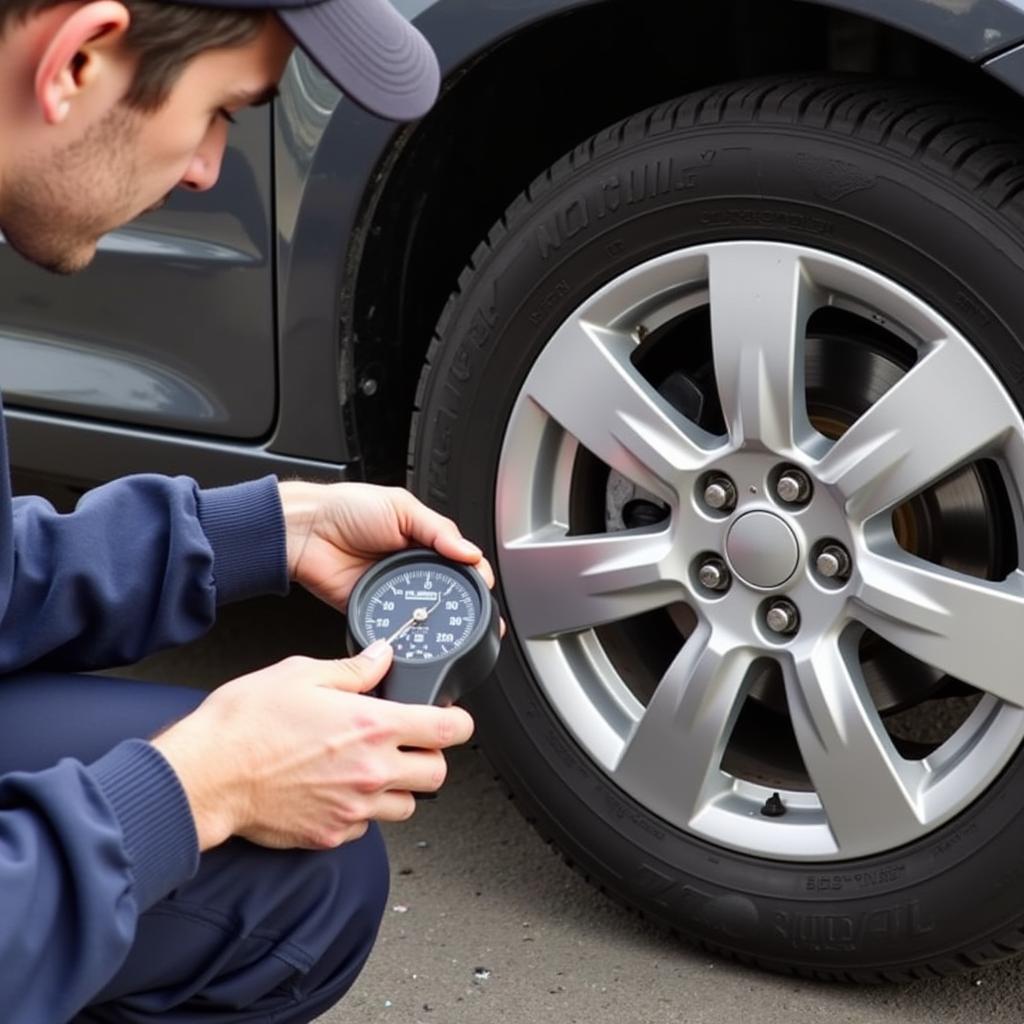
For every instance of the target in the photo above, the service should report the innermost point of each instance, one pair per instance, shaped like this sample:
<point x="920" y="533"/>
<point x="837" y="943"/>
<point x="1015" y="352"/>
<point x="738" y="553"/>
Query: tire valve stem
<point x="773" y="807"/>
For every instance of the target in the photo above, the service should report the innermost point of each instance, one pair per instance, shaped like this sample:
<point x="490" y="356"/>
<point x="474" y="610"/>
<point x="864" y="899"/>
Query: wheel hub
<point x="762" y="549"/>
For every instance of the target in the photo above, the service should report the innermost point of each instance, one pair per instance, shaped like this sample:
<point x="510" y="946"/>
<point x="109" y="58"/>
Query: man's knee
<point x="352" y="885"/>
<point x="256" y="934"/>
<point x="346" y="900"/>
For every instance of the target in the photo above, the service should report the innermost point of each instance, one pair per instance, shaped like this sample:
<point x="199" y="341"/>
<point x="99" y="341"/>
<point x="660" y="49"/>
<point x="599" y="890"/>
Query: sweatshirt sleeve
<point x="140" y="565"/>
<point x="84" y="850"/>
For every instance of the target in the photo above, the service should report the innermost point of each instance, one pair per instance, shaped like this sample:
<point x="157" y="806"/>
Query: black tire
<point x="926" y="191"/>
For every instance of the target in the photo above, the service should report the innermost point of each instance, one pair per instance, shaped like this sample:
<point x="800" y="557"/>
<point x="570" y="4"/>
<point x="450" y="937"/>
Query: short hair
<point x="164" y="37"/>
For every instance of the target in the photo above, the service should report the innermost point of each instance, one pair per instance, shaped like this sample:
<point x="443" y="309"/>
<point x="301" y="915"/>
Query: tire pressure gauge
<point x="439" y="618"/>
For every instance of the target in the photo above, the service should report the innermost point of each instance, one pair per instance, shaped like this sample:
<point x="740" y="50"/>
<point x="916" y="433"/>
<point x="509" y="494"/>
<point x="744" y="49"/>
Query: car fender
<point x="332" y="160"/>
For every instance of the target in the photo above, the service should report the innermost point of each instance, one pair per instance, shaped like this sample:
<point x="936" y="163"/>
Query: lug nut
<point x="833" y="562"/>
<point x="793" y="487"/>
<point x="782" y="617"/>
<point x="720" y="494"/>
<point x="714" y="575"/>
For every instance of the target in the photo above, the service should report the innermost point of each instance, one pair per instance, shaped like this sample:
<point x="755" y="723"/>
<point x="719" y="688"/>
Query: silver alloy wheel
<point x="947" y="411"/>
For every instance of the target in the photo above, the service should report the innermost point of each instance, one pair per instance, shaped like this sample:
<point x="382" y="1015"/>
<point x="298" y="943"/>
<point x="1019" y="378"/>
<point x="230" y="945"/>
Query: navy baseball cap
<point x="365" y="47"/>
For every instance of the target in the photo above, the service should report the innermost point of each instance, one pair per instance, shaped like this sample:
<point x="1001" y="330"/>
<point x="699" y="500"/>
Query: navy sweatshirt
<point x="140" y="565"/>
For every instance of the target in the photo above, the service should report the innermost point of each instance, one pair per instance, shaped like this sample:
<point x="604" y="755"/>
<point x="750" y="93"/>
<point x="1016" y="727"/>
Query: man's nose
<point x="204" y="169"/>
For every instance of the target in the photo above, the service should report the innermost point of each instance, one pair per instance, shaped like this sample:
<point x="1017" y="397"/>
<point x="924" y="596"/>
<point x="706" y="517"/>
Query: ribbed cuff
<point x="159" y="833"/>
<point x="245" y="526"/>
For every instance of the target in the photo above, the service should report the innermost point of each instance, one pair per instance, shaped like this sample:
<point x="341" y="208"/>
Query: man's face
<point x="58" y="203"/>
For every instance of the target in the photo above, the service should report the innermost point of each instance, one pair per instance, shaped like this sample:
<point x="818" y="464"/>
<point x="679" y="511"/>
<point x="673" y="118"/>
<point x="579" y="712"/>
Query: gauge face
<point x="427" y="612"/>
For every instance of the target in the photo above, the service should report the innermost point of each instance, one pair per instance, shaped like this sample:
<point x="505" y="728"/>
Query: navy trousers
<point x="268" y="936"/>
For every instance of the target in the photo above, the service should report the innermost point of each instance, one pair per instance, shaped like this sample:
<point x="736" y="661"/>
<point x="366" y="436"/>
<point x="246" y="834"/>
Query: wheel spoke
<point x="584" y="380"/>
<point x="918" y="431"/>
<point x="865" y="787"/>
<point x="971" y="628"/>
<point x="584" y="393"/>
<point x="673" y="756"/>
<point x="760" y="302"/>
<point x="564" y="584"/>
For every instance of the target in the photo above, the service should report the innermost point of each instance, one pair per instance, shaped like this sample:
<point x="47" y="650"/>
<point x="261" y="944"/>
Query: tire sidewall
<point x="592" y="220"/>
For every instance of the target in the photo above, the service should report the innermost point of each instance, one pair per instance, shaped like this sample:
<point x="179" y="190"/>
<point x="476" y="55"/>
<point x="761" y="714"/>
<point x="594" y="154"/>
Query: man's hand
<point x="337" y="531"/>
<point x="295" y="755"/>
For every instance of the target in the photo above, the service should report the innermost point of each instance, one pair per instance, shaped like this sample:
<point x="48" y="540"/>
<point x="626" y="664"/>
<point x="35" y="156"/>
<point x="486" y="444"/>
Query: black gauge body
<point x="440" y="619"/>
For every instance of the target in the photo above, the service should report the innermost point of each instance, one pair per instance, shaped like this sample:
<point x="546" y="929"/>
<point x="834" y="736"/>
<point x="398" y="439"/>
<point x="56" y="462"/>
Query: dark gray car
<point x="707" y="319"/>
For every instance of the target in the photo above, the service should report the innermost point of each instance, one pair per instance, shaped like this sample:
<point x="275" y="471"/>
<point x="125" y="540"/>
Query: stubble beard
<point x="54" y="216"/>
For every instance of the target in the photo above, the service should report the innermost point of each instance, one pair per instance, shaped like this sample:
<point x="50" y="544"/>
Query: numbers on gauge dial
<point x="426" y="614"/>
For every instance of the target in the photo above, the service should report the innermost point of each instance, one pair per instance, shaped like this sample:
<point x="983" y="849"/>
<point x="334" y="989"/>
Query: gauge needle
<point x="419" y="615"/>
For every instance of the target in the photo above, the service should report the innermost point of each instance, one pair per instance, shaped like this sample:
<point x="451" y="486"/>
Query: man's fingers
<point x="359" y="674"/>
<point x="485" y="570"/>
<point x="415" y="725"/>
<point x="433" y="728"/>
<point x="422" y="771"/>
<point x="433" y="530"/>
<point x="395" y="806"/>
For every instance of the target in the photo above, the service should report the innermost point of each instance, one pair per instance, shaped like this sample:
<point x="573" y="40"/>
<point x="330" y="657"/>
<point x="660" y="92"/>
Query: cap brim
<point x="370" y="52"/>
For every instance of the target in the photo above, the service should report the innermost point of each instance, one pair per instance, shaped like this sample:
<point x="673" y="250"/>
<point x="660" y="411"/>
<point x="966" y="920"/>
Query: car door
<point x="173" y="324"/>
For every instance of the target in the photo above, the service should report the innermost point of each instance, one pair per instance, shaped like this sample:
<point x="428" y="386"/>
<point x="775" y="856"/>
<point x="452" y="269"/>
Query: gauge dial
<point x="439" y="618"/>
<point x="426" y="612"/>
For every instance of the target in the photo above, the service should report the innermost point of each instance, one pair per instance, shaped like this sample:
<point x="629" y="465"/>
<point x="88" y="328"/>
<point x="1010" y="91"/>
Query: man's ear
<point x="80" y="48"/>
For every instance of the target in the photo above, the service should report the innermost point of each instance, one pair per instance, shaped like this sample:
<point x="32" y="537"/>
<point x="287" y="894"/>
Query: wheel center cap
<point x="762" y="549"/>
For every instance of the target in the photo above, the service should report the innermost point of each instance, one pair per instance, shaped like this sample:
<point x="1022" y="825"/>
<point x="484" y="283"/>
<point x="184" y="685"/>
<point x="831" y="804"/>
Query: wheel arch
<point x="443" y="183"/>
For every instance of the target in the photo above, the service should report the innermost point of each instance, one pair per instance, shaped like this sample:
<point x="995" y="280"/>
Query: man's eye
<point x="227" y="115"/>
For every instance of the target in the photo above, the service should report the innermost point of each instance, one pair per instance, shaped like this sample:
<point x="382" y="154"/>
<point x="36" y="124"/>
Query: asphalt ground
<point x="486" y="924"/>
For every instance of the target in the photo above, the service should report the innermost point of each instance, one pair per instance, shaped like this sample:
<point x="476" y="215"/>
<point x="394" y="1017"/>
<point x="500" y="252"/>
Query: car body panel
<point x="244" y="337"/>
<point x="172" y="326"/>
<point x="84" y="452"/>
<point x="972" y="29"/>
<point x="1009" y="68"/>
<point x="333" y="160"/>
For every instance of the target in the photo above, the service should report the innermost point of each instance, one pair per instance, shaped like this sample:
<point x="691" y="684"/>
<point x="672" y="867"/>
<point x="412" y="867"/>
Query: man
<point x="109" y="789"/>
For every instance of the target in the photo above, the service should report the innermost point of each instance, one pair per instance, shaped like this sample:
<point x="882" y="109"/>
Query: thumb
<point x="363" y="672"/>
